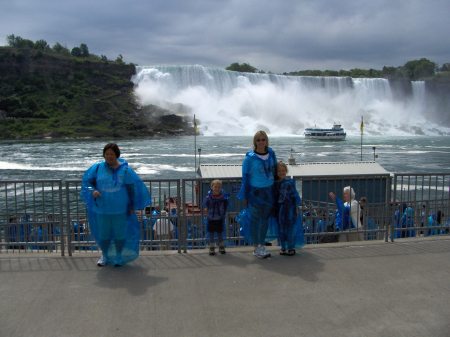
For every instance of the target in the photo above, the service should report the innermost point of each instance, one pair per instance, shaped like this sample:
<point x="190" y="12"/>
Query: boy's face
<point x="281" y="172"/>
<point x="216" y="188"/>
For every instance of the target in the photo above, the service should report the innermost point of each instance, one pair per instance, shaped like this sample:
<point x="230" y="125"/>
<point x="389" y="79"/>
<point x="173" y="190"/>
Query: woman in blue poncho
<point x="112" y="192"/>
<point x="258" y="172"/>
<point x="290" y="229"/>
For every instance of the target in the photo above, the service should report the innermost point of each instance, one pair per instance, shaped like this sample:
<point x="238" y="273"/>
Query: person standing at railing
<point x="163" y="230"/>
<point x="407" y="221"/>
<point x="290" y="229"/>
<point x="113" y="192"/>
<point x="216" y="203"/>
<point x="348" y="211"/>
<point x="258" y="176"/>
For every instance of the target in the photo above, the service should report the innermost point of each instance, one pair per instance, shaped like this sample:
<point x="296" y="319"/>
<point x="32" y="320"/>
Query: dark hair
<point x="113" y="147"/>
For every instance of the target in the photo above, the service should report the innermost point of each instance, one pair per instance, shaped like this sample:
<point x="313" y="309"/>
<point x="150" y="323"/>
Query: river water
<point x="174" y="158"/>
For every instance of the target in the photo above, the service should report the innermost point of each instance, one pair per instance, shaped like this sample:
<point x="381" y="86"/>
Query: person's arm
<point x="245" y="184"/>
<point x="89" y="182"/>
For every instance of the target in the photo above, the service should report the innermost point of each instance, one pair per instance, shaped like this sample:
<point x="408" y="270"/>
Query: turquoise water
<point x="174" y="158"/>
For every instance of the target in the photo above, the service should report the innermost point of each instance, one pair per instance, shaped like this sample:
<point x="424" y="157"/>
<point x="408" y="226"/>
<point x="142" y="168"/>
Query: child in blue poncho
<point x="112" y="192"/>
<point x="290" y="231"/>
<point x="216" y="203"/>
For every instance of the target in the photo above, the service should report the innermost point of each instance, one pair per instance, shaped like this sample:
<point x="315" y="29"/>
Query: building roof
<point x="360" y="168"/>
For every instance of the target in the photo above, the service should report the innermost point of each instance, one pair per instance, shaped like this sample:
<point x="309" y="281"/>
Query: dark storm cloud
<point x="271" y="35"/>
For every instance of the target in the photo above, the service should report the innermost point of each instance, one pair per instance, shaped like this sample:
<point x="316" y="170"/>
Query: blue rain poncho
<point x="217" y="206"/>
<point x="345" y="220"/>
<point x="111" y="215"/>
<point x="289" y="224"/>
<point x="407" y="221"/>
<point x="257" y="188"/>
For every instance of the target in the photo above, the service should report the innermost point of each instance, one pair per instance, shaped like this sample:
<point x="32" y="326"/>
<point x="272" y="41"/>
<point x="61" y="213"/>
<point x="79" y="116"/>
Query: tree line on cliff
<point x="412" y="71"/>
<point x="56" y="92"/>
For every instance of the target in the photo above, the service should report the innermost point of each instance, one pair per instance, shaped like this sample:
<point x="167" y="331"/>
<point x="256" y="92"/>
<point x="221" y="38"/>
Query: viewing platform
<point x="369" y="288"/>
<point x="389" y="277"/>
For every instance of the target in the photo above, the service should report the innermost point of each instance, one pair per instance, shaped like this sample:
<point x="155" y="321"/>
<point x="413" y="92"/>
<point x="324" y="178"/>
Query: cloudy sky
<point x="272" y="35"/>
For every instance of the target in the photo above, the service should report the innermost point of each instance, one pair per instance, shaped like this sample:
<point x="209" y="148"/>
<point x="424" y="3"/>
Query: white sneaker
<point x="101" y="261"/>
<point x="257" y="250"/>
<point x="263" y="253"/>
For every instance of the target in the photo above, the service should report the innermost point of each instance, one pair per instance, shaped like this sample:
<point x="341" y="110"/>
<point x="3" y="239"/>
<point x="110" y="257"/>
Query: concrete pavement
<point x="353" y="289"/>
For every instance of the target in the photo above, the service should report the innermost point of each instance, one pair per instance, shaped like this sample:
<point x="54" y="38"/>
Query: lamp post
<point x="199" y="154"/>
<point x="374" y="155"/>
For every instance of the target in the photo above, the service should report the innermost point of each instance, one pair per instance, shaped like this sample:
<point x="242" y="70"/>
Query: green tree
<point x="41" y="45"/>
<point x="243" y="68"/>
<point x="119" y="59"/>
<point x="419" y="69"/>
<point x="84" y="50"/>
<point x="76" y="51"/>
<point x="60" y="49"/>
<point x="18" y="42"/>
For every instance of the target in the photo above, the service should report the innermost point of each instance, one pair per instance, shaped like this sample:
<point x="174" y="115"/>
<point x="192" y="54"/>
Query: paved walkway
<point x="359" y="289"/>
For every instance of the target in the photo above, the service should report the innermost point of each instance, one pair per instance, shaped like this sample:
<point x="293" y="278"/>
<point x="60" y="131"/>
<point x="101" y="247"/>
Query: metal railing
<point x="31" y="216"/>
<point x="49" y="215"/>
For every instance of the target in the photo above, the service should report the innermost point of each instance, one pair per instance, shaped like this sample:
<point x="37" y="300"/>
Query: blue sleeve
<point x="245" y="184"/>
<point x="340" y="205"/>
<point x="88" y="184"/>
<point x="140" y="194"/>
<point x="205" y="203"/>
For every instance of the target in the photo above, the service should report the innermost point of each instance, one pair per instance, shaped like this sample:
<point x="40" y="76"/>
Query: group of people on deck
<point x="113" y="191"/>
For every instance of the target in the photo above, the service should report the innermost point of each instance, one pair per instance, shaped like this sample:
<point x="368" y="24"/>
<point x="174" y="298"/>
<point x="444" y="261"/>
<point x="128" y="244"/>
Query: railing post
<point x="392" y="225"/>
<point x="61" y="207"/>
<point x="183" y="221"/>
<point x="68" y="222"/>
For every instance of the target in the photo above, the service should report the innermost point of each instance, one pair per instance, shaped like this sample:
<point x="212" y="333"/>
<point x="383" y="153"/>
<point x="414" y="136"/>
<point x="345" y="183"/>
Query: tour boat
<point x="335" y="133"/>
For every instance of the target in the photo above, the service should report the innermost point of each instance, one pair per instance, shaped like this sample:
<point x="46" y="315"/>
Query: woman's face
<point x="110" y="157"/>
<point x="281" y="172"/>
<point x="261" y="143"/>
<point x="347" y="196"/>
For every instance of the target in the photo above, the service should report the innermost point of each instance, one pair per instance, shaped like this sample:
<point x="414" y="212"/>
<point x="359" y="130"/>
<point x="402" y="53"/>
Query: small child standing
<point x="216" y="203"/>
<point x="286" y="202"/>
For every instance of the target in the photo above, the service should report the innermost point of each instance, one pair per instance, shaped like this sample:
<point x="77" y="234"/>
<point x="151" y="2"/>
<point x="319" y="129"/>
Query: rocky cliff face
<point x="51" y="95"/>
<point x="438" y="99"/>
<point x="437" y="96"/>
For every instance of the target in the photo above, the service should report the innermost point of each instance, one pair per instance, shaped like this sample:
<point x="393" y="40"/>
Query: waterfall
<point x="233" y="103"/>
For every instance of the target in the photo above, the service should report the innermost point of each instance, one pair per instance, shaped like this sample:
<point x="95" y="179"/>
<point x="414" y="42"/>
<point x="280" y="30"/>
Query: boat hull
<point x="326" y="137"/>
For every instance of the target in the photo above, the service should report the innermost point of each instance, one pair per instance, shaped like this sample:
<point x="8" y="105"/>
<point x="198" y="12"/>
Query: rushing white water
<point x="233" y="103"/>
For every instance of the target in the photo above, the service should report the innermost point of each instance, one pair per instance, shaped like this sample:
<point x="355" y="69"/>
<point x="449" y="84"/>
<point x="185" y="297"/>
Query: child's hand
<point x="96" y="194"/>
